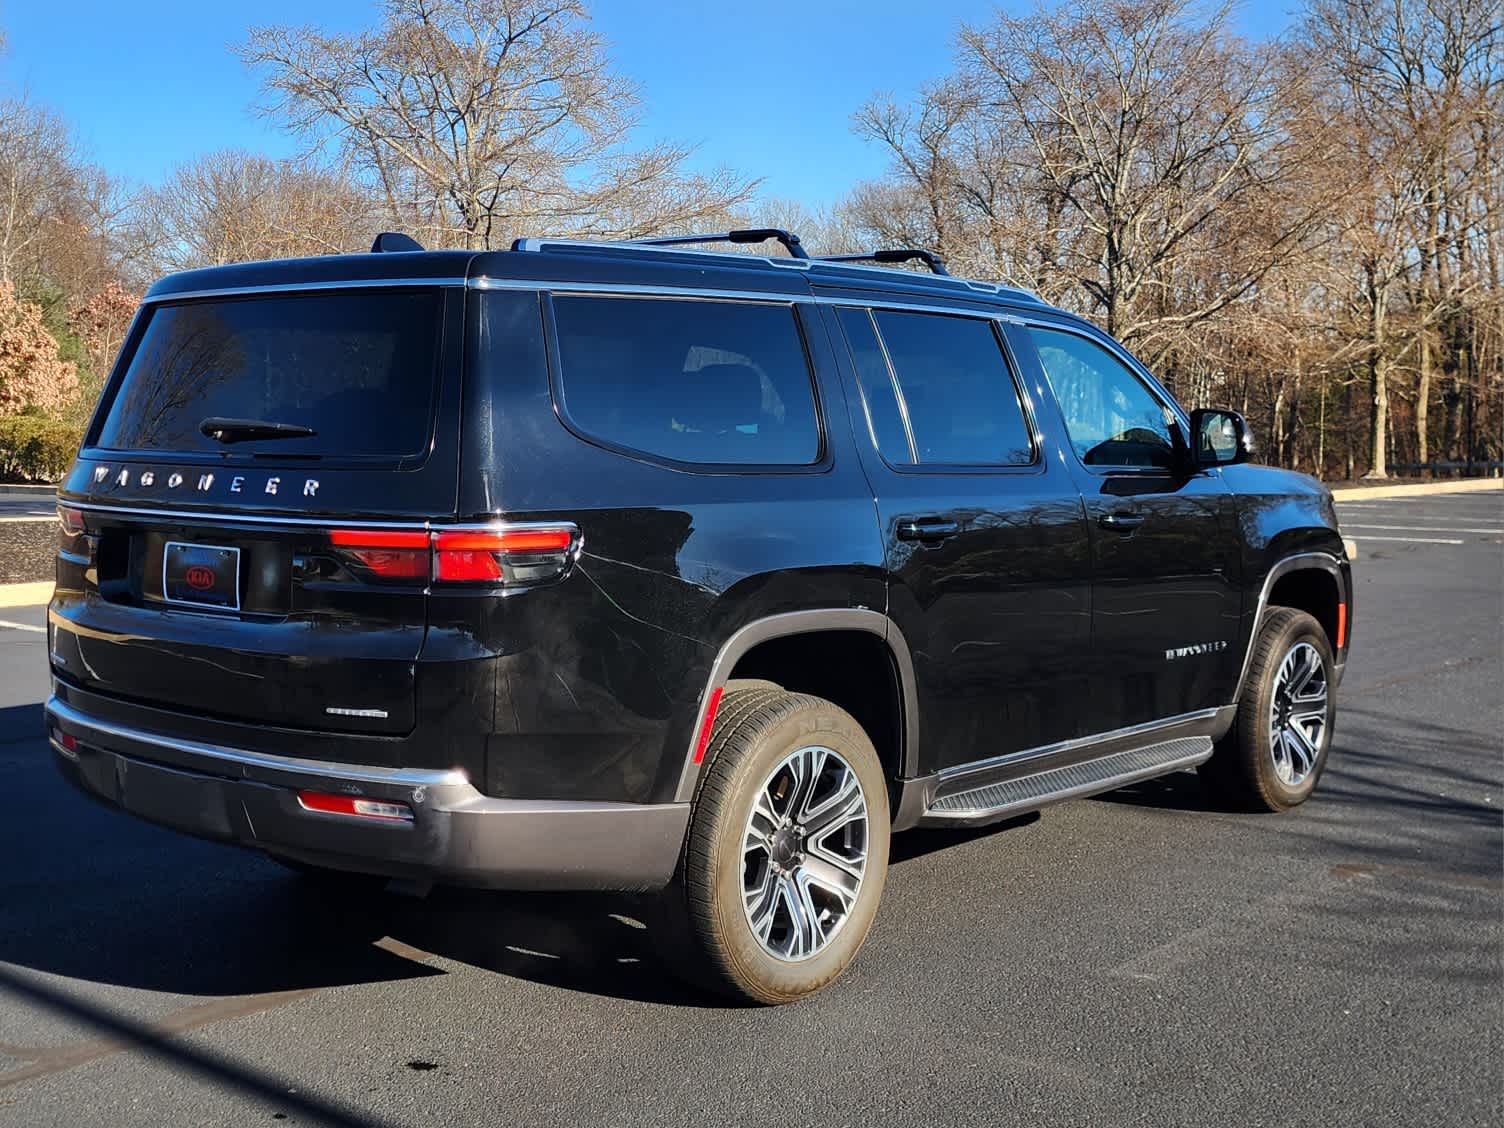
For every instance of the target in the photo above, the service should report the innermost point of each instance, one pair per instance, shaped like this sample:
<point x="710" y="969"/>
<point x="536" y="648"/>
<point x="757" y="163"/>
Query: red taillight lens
<point x="326" y="804"/>
<point x="393" y="554"/>
<point x="72" y="520"/>
<point x="511" y="555"/>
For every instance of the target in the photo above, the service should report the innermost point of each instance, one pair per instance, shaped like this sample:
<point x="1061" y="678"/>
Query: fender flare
<point x="809" y="622"/>
<point x="1301" y="561"/>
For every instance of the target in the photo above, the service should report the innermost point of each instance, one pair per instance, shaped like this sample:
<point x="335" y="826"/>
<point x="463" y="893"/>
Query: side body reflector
<point x="1341" y="625"/>
<point x="711" y="708"/>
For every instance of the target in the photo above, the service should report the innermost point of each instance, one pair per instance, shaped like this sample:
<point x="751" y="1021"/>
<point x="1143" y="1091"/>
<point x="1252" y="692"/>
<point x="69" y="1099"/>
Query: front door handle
<point x="1121" y="522"/>
<point x="926" y="529"/>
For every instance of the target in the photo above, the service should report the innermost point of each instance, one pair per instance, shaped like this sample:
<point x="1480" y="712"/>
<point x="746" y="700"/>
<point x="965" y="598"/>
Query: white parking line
<point x="1413" y="540"/>
<point x="1421" y="528"/>
<point x="7" y="625"/>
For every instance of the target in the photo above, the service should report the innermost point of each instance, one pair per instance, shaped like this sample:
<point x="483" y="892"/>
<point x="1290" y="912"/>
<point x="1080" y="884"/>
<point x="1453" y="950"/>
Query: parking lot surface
<point x="1142" y="958"/>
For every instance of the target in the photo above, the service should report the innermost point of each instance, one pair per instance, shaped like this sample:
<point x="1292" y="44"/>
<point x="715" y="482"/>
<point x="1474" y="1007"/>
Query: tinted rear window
<point x="691" y="381"/>
<point x="358" y="368"/>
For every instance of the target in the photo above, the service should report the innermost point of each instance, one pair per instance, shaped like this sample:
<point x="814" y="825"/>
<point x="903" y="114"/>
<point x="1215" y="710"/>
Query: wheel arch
<point x="1314" y="582"/>
<point x="751" y="651"/>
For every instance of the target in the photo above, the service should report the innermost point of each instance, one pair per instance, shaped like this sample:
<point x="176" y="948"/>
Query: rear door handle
<point x="1121" y="522"/>
<point x="926" y="528"/>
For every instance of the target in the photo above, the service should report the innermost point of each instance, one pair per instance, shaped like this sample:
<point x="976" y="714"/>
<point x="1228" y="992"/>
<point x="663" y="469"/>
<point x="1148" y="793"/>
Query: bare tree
<point x="233" y="206"/>
<point x="475" y="119"/>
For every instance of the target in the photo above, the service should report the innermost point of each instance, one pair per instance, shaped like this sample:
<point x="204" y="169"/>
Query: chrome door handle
<point x="1121" y="522"/>
<point x="926" y="529"/>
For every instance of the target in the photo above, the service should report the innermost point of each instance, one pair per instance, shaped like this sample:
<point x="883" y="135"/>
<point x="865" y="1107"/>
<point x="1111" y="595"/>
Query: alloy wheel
<point x="804" y="853"/>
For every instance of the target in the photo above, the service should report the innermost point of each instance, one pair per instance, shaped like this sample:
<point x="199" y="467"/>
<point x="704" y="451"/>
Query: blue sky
<point x="767" y="89"/>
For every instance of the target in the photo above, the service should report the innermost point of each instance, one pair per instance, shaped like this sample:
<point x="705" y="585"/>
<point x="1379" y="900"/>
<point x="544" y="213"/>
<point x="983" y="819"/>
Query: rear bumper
<point x="456" y="834"/>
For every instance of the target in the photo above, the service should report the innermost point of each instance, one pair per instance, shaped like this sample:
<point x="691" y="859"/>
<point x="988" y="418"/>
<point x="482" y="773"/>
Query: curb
<point x="11" y="488"/>
<point x="1415" y="489"/>
<point x="25" y="595"/>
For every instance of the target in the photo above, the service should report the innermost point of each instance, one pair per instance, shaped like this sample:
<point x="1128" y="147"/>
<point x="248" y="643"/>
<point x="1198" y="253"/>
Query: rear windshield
<point x="356" y="368"/>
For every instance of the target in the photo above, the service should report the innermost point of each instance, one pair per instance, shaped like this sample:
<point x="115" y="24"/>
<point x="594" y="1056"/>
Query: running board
<point x="1015" y="796"/>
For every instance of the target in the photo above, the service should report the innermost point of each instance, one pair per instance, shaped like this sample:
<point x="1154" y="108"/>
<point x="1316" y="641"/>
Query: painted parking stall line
<point x="8" y="625"/>
<point x="1411" y="540"/>
<point x="1421" y="528"/>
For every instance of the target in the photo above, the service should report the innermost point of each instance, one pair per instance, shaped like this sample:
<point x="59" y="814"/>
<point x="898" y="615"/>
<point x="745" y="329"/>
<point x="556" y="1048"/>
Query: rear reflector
<point x="711" y="708"/>
<point x="1341" y="625"/>
<point x="66" y="741"/>
<point x="327" y="804"/>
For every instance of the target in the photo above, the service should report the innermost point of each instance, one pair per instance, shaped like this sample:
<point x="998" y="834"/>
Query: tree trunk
<point x="1378" y="372"/>
<point x="1423" y="399"/>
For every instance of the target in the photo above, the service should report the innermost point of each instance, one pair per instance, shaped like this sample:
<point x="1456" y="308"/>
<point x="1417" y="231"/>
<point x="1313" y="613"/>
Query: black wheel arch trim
<point x="1300" y="561"/>
<point x="810" y="622"/>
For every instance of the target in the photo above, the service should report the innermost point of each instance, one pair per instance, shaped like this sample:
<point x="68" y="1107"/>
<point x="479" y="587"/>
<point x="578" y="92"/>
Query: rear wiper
<point x="238" y="430"/>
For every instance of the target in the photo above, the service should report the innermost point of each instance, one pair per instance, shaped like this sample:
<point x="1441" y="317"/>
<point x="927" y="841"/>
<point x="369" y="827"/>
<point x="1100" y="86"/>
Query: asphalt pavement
<point x="1142" y="958"/>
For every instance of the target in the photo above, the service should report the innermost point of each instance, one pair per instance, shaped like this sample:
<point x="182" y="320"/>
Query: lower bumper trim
<point x="457" y="835"/>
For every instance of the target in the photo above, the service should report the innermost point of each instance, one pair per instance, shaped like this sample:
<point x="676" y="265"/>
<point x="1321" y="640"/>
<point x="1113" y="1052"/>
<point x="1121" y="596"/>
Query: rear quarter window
<point x="700" y="382"/>
<point x="358" y="368"/>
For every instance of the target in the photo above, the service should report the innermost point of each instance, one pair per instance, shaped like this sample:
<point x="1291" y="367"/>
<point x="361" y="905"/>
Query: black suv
<point x="624" y="566"/>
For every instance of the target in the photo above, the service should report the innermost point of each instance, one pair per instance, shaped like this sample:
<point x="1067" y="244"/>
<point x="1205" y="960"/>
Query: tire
<point x="764" y="743"/>
<point x="1273" y="756"/>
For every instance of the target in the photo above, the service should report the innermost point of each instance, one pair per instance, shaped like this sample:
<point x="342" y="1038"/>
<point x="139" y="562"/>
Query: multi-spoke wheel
<point x="1275" y="751"/>
<point x="1297" y="714"/>
<point x="788" y="845"/>
<point x="804" y="853"/>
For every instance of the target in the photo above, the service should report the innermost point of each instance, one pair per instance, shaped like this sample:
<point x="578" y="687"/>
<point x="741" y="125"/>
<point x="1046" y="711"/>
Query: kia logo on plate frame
<point x="200" y="577"/>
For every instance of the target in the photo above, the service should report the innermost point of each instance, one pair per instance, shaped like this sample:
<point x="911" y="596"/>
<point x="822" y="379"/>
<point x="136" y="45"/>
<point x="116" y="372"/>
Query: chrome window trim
<point x="555" y="286"/>
<point x="342" y="284"/>
<point x="57" y="710"/>
<point x="329" y="521"/>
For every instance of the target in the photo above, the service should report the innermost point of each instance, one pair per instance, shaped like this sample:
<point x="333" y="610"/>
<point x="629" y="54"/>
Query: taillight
<point x="72" y="520"/>
<point x="393" y="554"/>
<point x="501" y="554"/>
<point x="516" y="555"/>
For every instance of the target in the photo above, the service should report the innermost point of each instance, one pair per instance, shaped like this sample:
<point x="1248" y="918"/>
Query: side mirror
<point x="1221" y="438"/>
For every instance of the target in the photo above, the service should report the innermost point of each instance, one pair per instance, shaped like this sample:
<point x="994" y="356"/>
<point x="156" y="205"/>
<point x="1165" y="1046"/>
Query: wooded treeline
<point x="1310" y="230"/>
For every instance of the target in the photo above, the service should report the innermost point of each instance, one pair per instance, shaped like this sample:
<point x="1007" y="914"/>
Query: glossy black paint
<point x="1032" y="624"/>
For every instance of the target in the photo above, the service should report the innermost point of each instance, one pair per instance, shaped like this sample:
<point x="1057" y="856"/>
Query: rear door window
<point x="689" y="381"/>
<point x="356" y="368"/>
<point x="954" y="391"/>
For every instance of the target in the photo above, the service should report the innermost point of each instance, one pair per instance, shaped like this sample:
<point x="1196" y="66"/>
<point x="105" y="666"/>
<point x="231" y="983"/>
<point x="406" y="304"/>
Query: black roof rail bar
<point x="389" y="241"/>
<point x="904" y="254"/>
<point x="789" y="240"/>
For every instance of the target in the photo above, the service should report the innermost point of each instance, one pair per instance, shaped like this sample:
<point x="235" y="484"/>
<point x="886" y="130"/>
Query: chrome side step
<point x="1107" y="773"/>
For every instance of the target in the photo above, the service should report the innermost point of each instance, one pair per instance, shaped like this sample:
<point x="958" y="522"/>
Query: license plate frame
<point x="184" y="559"/>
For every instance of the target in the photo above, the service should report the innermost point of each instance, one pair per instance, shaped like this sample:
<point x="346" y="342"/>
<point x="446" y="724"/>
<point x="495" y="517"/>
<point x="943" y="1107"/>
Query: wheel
<point x="1276" y="750"/>
<point x="787" y="851"/>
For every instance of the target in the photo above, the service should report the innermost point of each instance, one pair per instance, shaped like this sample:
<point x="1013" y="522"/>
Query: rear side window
<point x="691" y="381"/>
<point x="358" y="369"/>
<point x="960" y="401"/>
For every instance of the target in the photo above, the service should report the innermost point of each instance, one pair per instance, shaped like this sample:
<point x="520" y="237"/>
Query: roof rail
<point x="901" y="254"/>
<point x="789" y="240"/>
<point x="394" y="241"/>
